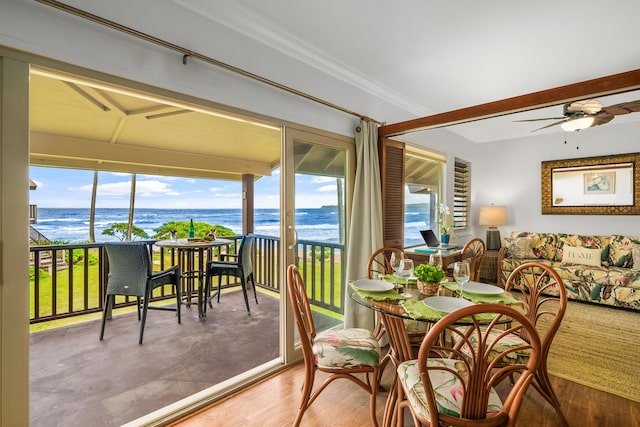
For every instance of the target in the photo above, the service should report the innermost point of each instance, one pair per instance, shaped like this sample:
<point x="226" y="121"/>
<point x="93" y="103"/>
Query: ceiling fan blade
<point x="535" y="120"/>
<point x="601" y="118"/>
<point x="623" y="108"/>
<point x="549" y="125"/>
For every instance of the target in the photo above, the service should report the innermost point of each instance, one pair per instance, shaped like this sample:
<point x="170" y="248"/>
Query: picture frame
<point x="599" y="182"/>
<point x="555" y="202"/>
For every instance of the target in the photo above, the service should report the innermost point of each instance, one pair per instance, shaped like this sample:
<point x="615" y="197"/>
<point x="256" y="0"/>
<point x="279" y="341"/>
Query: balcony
<point x="75" y="376"/>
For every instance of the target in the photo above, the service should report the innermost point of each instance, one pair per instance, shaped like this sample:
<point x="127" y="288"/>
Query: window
<point x="461" y="195"/>
<point x="422" y="193"/>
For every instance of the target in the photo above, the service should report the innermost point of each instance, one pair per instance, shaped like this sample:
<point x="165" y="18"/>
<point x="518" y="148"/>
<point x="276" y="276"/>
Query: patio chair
<point x="242" y="268"/>
<point x="130" y="274"/>
<point x="455" y="386"/>
<point x="339" y="353"/>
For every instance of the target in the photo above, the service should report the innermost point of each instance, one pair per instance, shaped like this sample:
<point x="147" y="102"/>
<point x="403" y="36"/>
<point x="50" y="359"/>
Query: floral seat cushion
<point x="346" y="348"/>
<point x="519" y="356"/>
<point x="447" y="387"/>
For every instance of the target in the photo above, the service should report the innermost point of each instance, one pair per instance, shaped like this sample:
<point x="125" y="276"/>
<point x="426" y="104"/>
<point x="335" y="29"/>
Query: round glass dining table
<point x="398" y="311"/>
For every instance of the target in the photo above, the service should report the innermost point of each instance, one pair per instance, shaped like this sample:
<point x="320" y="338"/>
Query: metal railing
<point x="70" y="280"/>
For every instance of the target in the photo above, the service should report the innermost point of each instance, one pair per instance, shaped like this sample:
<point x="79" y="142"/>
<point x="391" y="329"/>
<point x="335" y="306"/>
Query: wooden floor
<point x="274" y="402"/>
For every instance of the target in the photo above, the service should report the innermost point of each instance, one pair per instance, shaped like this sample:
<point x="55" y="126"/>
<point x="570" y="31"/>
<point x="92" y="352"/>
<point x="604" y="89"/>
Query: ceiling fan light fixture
<point x="577" y="124"/>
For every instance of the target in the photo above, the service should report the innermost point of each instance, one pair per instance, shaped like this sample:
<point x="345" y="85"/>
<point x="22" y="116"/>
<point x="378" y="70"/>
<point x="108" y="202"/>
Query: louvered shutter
<point x="392" y="180"/>
<point x="461" y="195"/>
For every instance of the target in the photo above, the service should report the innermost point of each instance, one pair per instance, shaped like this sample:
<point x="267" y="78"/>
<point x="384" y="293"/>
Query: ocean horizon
<point x="316" y="224"/>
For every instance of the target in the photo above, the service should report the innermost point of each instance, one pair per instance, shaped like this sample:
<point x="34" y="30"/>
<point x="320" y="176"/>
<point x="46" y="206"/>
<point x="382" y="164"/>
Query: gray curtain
<point x="365" y="233"/>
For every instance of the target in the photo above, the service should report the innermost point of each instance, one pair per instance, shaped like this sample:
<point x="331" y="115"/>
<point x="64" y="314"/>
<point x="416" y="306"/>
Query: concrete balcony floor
<point x="78" y="380"/>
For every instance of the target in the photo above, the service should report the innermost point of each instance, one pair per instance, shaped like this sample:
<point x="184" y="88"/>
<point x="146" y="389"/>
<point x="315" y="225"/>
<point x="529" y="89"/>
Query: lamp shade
<point x="493" y="215"/>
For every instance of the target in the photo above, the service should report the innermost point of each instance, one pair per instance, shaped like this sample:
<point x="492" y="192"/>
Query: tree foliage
<point x="119" y="230"/>
<point x="202" y="229"/>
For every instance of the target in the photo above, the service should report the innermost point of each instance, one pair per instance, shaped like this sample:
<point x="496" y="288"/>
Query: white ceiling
<point x="420" y="57"/>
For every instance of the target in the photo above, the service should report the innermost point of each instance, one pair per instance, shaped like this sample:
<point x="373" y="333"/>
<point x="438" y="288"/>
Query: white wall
<point x="508" y="173"/>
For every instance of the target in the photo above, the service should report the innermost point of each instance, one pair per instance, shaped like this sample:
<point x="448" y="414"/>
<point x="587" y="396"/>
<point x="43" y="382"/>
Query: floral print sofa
<point x="597" y="269"/>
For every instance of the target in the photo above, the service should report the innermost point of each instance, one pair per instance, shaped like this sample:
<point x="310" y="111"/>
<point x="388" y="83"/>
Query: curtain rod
<point x="186" y="54"/>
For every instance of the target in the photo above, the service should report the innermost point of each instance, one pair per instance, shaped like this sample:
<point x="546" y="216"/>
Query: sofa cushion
<point x="519" y="247"/>
<point x="620" y="251"/>
<point x="581" y="255"/>
<point x="545" y="246"/>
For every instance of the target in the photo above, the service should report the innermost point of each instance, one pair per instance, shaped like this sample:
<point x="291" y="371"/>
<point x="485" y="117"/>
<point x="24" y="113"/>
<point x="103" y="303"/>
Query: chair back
<point x="475" y="249"/>
<point x="244" y="254"/>
<point x="129" y="268"/>
<point x="380" y="261"/>
<point x="543" y="295"/>
<point x="302" y="312"/>
<point x="461" y="379"/>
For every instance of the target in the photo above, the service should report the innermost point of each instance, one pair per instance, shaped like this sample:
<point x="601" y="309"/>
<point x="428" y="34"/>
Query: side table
<point x="489" y="267"/>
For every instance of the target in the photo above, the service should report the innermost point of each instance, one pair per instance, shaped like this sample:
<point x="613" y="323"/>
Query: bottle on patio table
<point x="192" y="230"/>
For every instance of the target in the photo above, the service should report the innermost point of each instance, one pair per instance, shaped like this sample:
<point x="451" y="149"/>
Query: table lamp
<point x="493" y="216"/>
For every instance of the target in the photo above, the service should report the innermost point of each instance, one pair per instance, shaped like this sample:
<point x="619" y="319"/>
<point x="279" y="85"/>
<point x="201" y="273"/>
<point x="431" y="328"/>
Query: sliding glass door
<point x="317" y="188"/>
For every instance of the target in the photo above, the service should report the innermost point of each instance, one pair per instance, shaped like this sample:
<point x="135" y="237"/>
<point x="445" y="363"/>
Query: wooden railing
<point x="71" y="279"/>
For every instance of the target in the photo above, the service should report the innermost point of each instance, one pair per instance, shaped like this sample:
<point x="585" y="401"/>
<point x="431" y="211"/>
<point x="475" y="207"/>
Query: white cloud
<point x="327" y="188"/>
<point x="144" y="188"/>
<point x="322" y="179"/>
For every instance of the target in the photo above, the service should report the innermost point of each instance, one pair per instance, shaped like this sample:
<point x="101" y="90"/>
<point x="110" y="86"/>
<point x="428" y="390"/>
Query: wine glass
<point x="405" y="269"/>
<point x="394" y="261"/>
<point x="435" y="259"/>
<point x="461" y="274"/>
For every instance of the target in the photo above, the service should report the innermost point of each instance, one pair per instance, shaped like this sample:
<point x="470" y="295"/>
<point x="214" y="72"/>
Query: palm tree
<point x="92" y="212"/>
<point x="132" y="200"/>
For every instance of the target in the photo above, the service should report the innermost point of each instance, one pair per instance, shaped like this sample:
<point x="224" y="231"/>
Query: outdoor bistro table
<point x="192" y="267"/>
<point x="395" y="309"/>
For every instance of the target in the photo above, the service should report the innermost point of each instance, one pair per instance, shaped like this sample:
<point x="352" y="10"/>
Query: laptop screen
<point x="430" y="238"/>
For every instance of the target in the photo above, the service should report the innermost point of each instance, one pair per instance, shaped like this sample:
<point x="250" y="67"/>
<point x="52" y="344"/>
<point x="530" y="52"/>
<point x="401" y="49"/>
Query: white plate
<point x="372" y="285"/>
<point x="481" y="289"/>
<point x="446" y="304"/>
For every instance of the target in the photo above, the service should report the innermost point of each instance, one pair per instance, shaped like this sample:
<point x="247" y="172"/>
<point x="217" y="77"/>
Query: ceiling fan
<point x="587" y="113"/>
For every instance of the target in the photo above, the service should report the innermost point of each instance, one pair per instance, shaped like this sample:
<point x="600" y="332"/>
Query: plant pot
<point x="428" y="288"/>
<point x="444" y="239"/>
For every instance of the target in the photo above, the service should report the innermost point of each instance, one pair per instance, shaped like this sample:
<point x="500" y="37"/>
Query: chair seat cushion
<point x="448" y="388"/>
<point x="516" y="357"/>
<point x="346" y="348"/>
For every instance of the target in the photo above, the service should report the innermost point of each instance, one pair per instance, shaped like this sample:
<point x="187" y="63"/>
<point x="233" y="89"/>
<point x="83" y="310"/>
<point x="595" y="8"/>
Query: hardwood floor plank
<point x="274" y="403"/>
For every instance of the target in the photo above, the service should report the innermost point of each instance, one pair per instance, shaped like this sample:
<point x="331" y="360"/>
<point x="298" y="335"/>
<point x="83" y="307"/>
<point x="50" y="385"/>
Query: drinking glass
<point x="435" y="259"/>
<point x="405" y="270"/>
<point x="461" y="274"/>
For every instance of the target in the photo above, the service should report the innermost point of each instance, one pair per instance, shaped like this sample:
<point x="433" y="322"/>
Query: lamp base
<point x="493" y="239"/>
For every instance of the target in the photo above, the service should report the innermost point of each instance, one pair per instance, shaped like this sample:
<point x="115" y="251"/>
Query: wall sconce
<point x="492" y="216"/>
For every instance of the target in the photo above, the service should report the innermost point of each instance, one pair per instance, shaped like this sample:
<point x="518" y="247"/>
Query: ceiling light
<point x="577" y="124"/>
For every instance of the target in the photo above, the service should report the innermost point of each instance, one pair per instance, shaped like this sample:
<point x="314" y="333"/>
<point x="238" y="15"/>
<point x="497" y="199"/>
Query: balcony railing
<point x="70" y="280"/>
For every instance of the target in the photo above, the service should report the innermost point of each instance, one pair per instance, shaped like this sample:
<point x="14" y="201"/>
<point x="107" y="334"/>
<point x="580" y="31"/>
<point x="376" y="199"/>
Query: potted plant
<point x="429" y="277"/>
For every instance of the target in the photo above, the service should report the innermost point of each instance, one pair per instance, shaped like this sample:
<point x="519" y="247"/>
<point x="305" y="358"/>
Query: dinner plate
<point x="481" y="288"/>
<point x="446" y="304"/>
<point x="372" y="285"/>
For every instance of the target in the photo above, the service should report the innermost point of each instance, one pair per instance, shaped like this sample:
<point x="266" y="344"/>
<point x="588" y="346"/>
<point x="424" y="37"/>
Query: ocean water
<point x="320" y="224"/>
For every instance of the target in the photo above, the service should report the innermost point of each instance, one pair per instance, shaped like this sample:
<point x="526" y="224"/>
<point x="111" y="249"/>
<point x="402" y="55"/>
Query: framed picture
<point x="599" y="182"/>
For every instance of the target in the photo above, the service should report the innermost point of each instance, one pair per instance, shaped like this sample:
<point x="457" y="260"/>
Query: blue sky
<point x="71" y="188"/>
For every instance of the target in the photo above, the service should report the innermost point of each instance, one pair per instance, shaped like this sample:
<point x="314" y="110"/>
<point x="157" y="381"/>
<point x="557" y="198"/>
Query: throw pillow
<point x="620" y="251"/>
<point x="580" y="255"/>
<point x="519" y="247"/>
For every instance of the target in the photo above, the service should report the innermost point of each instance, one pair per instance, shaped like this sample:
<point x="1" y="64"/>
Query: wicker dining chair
<point x="474" y="251"/>
<point x="130" y="274"/>
<point x="339" y="353"/>
<point x="544" y="298"/>
<point x="380" y="264"/>
<point x="455" y="386"/>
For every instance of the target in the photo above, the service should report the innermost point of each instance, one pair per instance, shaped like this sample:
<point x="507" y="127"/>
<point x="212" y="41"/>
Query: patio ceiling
<point x="78" y="123"/>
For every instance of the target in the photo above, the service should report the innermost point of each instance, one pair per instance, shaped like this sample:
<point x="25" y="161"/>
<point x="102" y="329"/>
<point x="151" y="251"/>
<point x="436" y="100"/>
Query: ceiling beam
<point x="616" y="83"/>
<point x="92" y="152"/>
